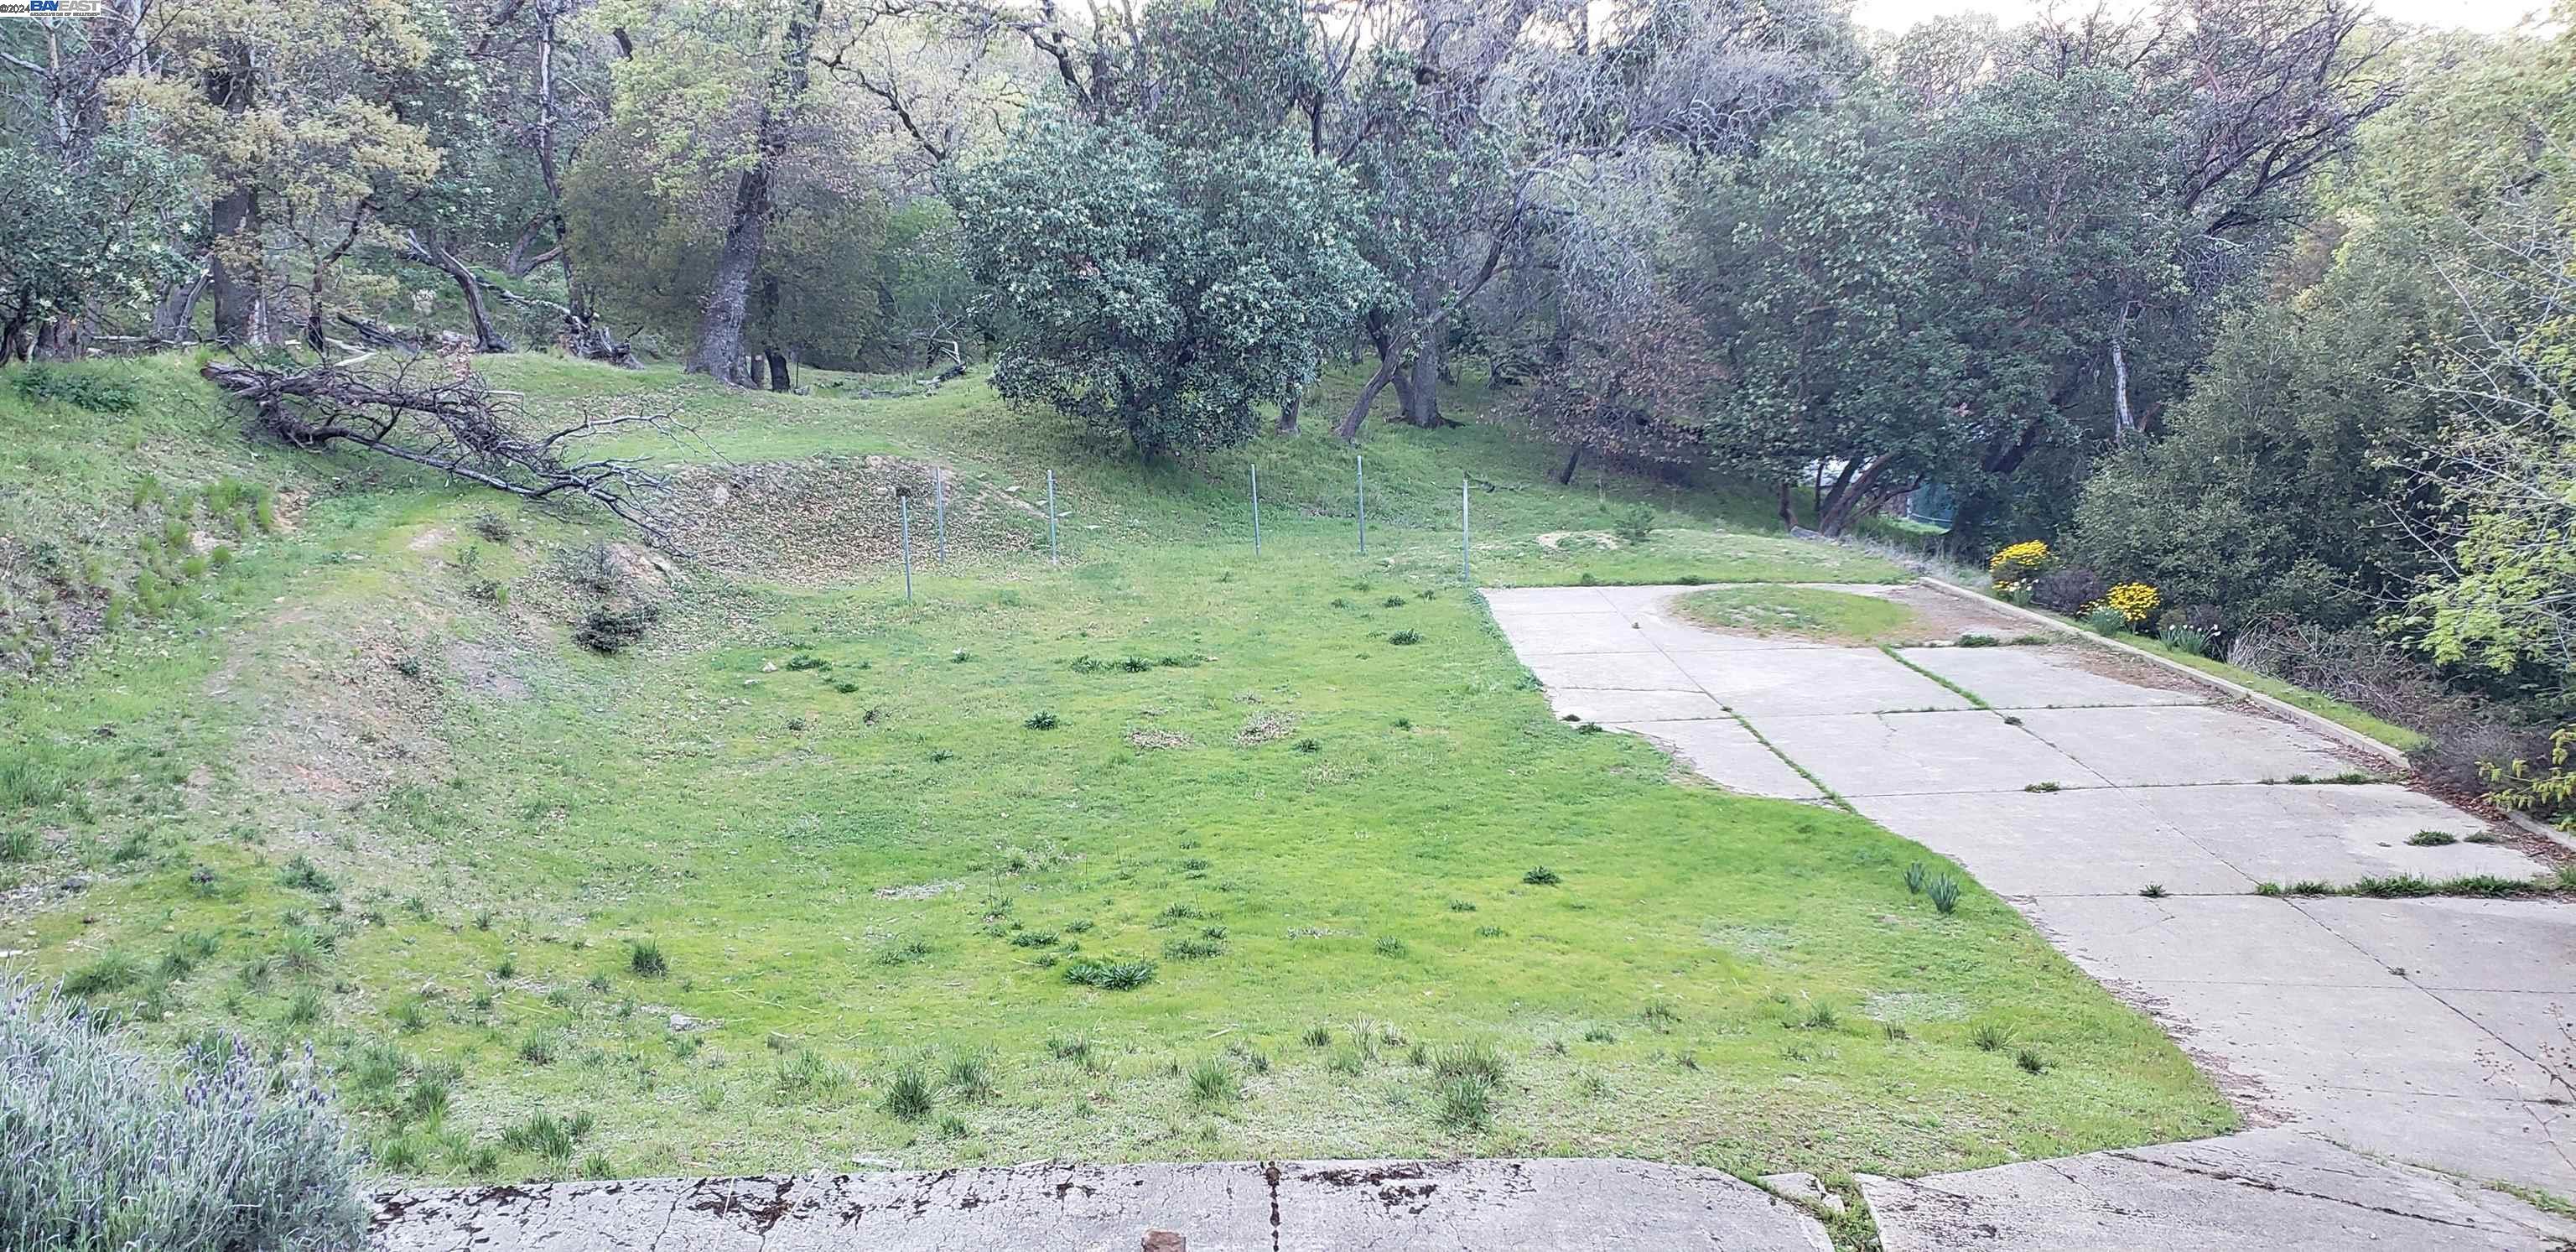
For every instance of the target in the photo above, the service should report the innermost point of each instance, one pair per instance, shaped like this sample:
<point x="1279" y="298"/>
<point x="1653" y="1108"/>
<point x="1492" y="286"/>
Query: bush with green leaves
<point x="102" y="1147"/>
<point x="1161" y="287"/>
<point x="80" y="388"/>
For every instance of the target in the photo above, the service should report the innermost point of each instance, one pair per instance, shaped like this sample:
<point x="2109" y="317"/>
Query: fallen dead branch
<point x="434" y="412"/>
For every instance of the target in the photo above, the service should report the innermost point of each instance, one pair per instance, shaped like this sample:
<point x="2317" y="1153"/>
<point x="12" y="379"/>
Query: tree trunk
<point x="2124" y="422"/>
<point x="759" y="375"/>
<point x="720" y="350"/>
<point x="1289" y="407"/>
<point x="234" y="271"/>
<point x="778" y="380"/>
<point x="1573" y="457"/>
<point x="485" y="338"/>
<point x="240" y="313"/>
<point x="1844" y="505"/>
<point x="175" y="314"/>
<point x="1422" y="400"/>
<point x="1349" y="429"/>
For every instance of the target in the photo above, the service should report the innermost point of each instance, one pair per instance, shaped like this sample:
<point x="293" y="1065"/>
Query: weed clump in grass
<point x="1466" y="1102"/>
<point x="970" y="1075"/>
<point x="1041" y="720"/>
<point x="1389" y="945"/>
<point x="2029" y="1061"/>
<point x="1821" y="1016"/>
<point x="1979" y="641"/>
<point x="1944" y="891"/>
<point x="1109" y="975"/>
<point x="114" y="971"/>
<point x="538" y="1048"/>
<point x="543" y="1135"/>
<point x="1915" y="874"/>
<point x="908" y="1095"/>
<point x="646" y="959"/>
<point x="2432" y="839"/>
<point x="1541" y="876"/>
<point x="1989" y="1037"/>
<point x="1317" y="1037"/>
<point x="1405" y="638"/>
<point x="301" y="873"/>
<point x="905" y="950"/>
<point x="1660" y="1016"/>
<point x="1212" y="1081"/>
<point x="1192" y="949"/>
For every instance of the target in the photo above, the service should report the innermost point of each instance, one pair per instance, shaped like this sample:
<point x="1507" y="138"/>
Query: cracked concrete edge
<point x="2322" y="725"/>
<point x="2279" y="1189"/>
<point x="1226" y="1206"/>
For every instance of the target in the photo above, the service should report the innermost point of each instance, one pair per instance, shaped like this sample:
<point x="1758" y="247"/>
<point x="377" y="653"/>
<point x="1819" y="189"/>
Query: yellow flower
<point x="2018" y="562"/>
<point x="2135" y="601"/>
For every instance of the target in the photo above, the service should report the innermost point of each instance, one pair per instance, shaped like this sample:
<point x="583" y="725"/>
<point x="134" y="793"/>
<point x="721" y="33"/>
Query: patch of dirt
<point x="1940" y="617"/>
<point x="2122" y="667"/>
<point x="829" y="520"/>
<point x="485" y="670"/>
<point x="1264" y="728"/>
<point x="1150" y="738"/>
<point x="918" y="891"/>
<point x="336" y="720"/>
<point x="1555" y="540"/>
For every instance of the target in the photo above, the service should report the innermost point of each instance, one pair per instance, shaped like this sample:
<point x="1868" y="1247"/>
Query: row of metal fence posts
<point x="1055" y="554"/>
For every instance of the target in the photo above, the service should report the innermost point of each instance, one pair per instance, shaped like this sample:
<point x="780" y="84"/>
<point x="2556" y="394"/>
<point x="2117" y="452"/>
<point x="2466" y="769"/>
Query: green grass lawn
<point x="346" y="794"/>
<point x="1803" y="612"/>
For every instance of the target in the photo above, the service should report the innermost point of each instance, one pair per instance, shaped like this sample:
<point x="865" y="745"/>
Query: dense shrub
<point x="86" y="389"/>
<point x="2068" y="590"/>
<point x="614" y="630"/>
<point x="100" y="1148"/>
<point x="2208" y="619"/>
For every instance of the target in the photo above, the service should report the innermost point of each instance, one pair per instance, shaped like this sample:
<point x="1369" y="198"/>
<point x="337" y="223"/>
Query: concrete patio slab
<point x="1908" y="753"/>
<point x="1238" y="1206"/>
<point x="2172" y="746"/>
<point x="2270" y="1189"/>
<point x="2396" y="1039"/>
<point x="1404" y="1206"/>
<point x="1727" y="754"/>
<point x="2206" y="939"/>
<point x="1547" y="634"/>
<point x="2479" y="1139"/>
<point x="2078" y="842"/>
<point x="2335" y="834"/>
<point x="1804" y="682"/>
<point x="2485" y="945"/>
<point x="1546" y="599"/>
<point x="2038" y="678"/>
<point x="2539" y="1025"/>
<point x="1593" y="705"/>
<point x="1628" y="671"/>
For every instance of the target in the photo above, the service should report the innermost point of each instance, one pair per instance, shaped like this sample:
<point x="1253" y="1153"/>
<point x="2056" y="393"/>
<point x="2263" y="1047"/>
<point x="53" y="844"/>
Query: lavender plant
<point x="103" y="1148"/>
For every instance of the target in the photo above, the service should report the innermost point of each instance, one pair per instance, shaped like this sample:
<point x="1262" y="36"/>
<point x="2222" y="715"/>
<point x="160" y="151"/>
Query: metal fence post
<point x="903" y="507"/>
<point x="939" y="510"/>
<point x="1359" y="470"/>
<point x="1466" y="571"/>
<point x="1256" y="507"/>
<point x="1053" y="556"/>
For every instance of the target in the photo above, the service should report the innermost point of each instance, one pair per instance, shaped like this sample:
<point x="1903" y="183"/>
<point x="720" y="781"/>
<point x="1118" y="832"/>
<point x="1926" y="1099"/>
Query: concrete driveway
<point x="2436" y="1032"/>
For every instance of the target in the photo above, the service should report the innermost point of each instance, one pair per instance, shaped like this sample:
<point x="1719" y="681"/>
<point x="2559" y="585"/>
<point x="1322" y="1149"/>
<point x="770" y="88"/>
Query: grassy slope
<point x="836" y="877"/>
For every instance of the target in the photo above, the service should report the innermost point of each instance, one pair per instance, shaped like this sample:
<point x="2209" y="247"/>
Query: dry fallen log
<point x="435" y="413"/>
